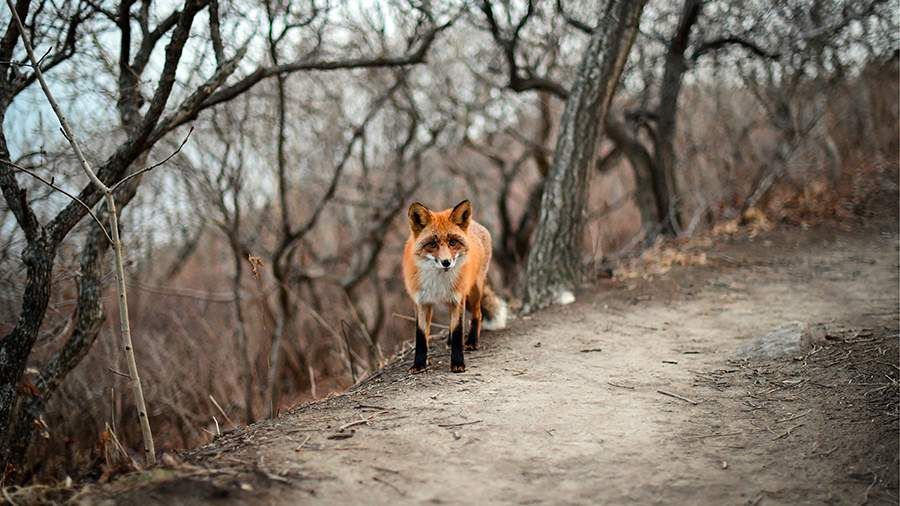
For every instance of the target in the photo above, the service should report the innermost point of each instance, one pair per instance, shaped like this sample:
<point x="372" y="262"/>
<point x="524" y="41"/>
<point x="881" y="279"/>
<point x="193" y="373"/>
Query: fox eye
<point x="431" y="244"/>
<point x="454" y="242"/>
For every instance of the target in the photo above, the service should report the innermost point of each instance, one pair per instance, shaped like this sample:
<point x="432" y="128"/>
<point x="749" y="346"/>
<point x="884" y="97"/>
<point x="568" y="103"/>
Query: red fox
<point x="445" y="261"/>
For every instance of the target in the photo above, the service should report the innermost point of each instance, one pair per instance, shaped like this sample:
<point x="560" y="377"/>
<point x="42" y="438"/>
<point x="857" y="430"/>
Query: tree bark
<point x="554" y="264"/>
<point x="642" y="166"/>
<point x="665" y="183"/>
<point x="88" y="319"/>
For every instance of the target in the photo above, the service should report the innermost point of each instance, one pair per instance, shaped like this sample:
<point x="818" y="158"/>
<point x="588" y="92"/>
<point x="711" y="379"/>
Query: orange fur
<point x="473" y="272"/>
<point x="445" y="261"/>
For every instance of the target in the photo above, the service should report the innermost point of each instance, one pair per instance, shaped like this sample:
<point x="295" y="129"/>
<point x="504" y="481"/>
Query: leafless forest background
<point x="263" y="257"/>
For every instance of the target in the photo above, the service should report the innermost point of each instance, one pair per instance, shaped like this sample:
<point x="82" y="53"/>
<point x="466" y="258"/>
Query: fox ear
<point x="461" y="214"/>
<point x="419" y="217"/>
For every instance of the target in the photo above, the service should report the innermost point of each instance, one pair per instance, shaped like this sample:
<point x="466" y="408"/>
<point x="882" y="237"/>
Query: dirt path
<point x="564" y="408"/>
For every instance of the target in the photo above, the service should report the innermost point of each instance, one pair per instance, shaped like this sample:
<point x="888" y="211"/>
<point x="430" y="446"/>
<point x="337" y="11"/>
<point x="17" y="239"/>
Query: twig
<point x="155" y="165"/>
<point x="685" y="399"/>
<point x="869" y="488"/>
<point x="352" y="424"/>
<point x="120" y="373"/>
<point x="125" y="455"/>
<point x="379" y="480"/>
<point x="706" y="436"/>
<point x="371" y="406"/>
<point x="620" y="386"/>
<point x="591" y="350"/>
<point x="60" y="190"/>
<point x="300" y="446"/>
<point x="267" y="474"/>
<point x="7" y="497"/>
<point x="794" y="417"/>
<point x="410" y="318"/>
<point x="216" y="404"/>
<point x="788" y="432"/>
<point x="359" y="422"/>
<point x="449" y="425"/>
<point x="218" y="432"/>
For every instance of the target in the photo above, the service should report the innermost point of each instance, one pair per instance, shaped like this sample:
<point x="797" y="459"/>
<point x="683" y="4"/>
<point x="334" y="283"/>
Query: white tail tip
<point x="497" y="321"/>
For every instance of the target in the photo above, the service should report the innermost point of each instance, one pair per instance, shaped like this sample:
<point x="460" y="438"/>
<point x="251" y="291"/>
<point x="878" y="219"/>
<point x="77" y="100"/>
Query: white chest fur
<point x="437" y="286"/>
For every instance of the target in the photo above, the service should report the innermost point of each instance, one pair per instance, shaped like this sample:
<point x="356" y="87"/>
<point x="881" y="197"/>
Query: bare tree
<point x="555" y="260"/>
<point x="144" y="122"/>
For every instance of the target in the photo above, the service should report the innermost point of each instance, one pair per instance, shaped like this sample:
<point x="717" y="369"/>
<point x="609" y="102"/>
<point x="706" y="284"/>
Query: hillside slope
<point x="647" y="391"/>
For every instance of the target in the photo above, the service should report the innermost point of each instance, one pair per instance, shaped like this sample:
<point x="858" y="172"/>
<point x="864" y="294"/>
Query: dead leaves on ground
<point x="663" y="255"/>
<point x="659" y="259"/>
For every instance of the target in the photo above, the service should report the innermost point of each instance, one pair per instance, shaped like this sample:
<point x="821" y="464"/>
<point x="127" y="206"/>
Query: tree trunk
<point x="88" y="319"/>
<point x="665" y="184"/>
<point x="16" y="346"/>
<point x="554" y="265"/>
<point x="642" y="165"/>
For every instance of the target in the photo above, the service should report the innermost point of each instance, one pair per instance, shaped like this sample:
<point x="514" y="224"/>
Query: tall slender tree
<point x="554" y="263"/>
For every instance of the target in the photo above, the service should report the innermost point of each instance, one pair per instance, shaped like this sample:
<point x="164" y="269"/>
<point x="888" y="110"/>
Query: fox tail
<point x="494" y="310"/>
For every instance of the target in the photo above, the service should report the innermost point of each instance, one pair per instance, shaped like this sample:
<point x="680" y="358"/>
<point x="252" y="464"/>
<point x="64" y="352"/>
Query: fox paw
<point x="416" y="369"/>
<point x="471" y="346"/>
<point x="458" y="368"/>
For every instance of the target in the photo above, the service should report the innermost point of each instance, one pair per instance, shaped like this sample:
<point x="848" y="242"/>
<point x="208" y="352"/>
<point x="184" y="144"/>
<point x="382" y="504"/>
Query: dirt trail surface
<point x="566" y="407"/>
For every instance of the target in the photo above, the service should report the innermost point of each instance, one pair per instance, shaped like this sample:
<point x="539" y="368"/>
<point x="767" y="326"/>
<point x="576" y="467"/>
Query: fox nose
<point x="445" y="263"/>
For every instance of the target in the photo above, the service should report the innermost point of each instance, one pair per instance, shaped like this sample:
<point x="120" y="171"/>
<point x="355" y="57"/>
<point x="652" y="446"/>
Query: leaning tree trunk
<point x="665" y="183"/>
<point x="642" y="166"/>
<point x="554" y="264"/>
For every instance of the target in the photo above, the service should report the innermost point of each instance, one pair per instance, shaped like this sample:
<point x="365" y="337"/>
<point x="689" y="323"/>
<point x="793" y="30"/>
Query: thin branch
<point x="517" y="82"/>
<point x="415" y="57"/>
<point x="67" y="130"/>
<point x="576" y="23"/>
<point x="723" y="42"/>
<point x="155" y="165"/>
<point x="60" y="190"/>
<point x="215" y="33"/>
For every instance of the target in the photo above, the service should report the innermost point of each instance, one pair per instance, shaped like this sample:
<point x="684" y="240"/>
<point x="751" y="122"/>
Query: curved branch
<point x="60" y="190"/>
<point x="413" y="58"/>
<point x="579" y="25"/>
<point x="518" y="82"/>
<point x="713" y="45"/>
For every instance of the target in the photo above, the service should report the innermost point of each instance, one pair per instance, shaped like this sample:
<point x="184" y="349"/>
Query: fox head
<point x="441" y="238"/>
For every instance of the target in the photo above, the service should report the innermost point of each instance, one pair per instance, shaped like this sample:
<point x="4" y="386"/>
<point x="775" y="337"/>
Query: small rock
<point x="781" y="341"/>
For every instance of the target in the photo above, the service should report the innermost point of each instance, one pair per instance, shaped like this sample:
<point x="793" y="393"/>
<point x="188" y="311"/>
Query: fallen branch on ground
<point x="676" y="396"/>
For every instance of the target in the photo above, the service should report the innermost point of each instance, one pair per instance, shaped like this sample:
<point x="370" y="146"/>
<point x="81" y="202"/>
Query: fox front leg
<point x="457" y="360"/>
<point x="474" y="302"/>
<point x="423" y="327"/>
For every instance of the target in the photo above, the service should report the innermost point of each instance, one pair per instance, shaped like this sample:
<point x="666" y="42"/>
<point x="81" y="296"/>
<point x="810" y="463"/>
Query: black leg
<point x="472" y="340"/>
<point x="457" y="361"/>
<point x="420" y="362"/>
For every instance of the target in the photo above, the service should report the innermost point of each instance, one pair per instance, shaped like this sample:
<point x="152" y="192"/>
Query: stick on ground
<point x="676" y="396"/>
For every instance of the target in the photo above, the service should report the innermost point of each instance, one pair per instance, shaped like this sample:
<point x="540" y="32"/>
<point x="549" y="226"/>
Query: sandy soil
<point x="565" y="407"/>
